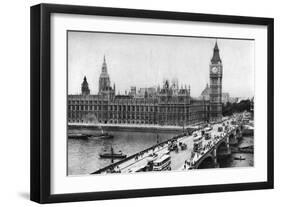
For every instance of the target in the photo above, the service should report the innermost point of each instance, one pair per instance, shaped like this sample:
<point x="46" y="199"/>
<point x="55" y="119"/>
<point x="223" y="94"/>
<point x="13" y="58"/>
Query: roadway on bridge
<point x="177" y="158"/>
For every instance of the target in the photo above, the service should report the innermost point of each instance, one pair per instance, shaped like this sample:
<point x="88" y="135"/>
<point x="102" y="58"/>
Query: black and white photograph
<point x="150" y="102"/>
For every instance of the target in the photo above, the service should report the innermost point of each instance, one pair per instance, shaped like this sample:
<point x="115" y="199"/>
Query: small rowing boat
<point x="239" y="158"/>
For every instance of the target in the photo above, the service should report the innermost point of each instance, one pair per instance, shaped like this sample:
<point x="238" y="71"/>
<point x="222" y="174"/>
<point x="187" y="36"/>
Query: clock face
<point x="214" y="69"/>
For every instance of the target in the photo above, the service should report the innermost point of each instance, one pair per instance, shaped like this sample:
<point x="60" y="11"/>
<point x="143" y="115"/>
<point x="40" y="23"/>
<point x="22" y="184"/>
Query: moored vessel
<point x="113" y="155"/>
<point x="239" y="158"/>
<point x="77" y="136"/>
<point x="102" y="136"/>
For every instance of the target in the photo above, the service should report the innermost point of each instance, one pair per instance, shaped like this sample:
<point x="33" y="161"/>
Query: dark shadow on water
<point x="24" y="195"/>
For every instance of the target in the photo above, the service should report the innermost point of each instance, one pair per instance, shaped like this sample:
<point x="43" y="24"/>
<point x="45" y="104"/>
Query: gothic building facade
<point x="168" y="105"/>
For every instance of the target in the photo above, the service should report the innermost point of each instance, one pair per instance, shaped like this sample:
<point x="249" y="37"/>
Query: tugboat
<point x="112" y="155"/>
<point x="78" y="136"/>
<point x="102" y="136"/>
<point x="90" y="136"/>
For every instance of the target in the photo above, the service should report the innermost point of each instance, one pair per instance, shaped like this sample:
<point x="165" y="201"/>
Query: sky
<point x="147" y="60"/>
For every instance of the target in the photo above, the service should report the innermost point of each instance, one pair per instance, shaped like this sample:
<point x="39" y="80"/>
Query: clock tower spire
<point x="216" y="55"/>
<point x="216" y="70"/>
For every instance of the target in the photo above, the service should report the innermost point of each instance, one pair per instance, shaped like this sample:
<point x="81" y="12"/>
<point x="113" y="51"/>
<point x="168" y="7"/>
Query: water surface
<point x="83" y="155"/>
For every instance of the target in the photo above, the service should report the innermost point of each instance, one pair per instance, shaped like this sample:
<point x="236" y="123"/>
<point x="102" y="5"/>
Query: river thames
<point x="83" y="155"/>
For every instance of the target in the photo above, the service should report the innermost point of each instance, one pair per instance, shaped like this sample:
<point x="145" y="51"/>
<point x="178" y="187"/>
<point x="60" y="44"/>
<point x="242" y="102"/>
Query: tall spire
<point x="104" y="80"/>
<point x="85" y="87"/>
<point x="216" y="45"/>
<point x="216" y="55"/>
<point x="104" y="66"/>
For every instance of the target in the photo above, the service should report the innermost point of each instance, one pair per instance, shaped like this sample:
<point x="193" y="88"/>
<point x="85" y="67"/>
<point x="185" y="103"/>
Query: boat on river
<point x="90" y="136"/>
<point x="239" y="158"/>
<point x="112" y="155"/>
<point x="102" y="136"/>
<point x="77" y="136"/>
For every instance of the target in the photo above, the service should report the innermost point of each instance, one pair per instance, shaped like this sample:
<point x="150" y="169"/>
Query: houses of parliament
<point x="166" y="105"/>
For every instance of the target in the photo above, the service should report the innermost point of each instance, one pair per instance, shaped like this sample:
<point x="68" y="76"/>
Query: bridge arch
<point x="232" y="139"/>
<point x="222" y="148"/>
<point x="222" y="152"/>
<point x="207" y="162"/>
<point x="238" y="130"/>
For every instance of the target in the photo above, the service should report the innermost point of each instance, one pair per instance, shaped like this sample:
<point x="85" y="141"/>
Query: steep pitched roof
<point x="206" y="91"/>
<point x="216" y="55"/>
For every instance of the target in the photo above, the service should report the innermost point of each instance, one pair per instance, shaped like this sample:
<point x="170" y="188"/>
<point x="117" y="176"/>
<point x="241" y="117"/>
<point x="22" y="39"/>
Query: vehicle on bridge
<point x="162" y="163"/>
<point x="220" y="128"/>
<point x="150" y="161"/>
<point x="233" y="122"/>
<point x="209" y="128"/>
<point x="207" y="136"/>
<point x="173" y="146"/>
<point x="182" y="146"/>
<point x="197" y="143"/>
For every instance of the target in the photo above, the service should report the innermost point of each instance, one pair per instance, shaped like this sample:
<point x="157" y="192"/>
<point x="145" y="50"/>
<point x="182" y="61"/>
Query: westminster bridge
<point x="222" y="136"/>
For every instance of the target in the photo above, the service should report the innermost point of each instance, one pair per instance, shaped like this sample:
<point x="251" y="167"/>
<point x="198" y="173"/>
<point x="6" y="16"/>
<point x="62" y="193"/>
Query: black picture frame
<point x="41" y="95"/>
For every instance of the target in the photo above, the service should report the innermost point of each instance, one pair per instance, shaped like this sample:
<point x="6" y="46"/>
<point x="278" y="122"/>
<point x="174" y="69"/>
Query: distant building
<point x="133" y="91"/>
<point x="147" y="92"/>
<point x="233" y="99"/>
<point x="239" y="99"/>
<point x="205" y="94"/>
<point x="225" y="98"/>
<point x="166" y="105"/>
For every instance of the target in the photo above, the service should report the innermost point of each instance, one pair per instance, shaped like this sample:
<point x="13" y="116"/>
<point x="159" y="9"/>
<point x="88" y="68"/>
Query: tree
<point x="229" y="108"/>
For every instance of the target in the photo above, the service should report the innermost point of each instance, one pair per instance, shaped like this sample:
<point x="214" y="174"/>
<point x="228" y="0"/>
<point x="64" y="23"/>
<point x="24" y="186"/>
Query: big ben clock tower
<point x="216" y="85"/>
